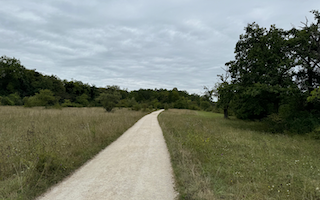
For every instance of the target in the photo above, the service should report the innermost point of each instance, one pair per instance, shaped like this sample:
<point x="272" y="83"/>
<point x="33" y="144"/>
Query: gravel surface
<point x="136" y="166"/>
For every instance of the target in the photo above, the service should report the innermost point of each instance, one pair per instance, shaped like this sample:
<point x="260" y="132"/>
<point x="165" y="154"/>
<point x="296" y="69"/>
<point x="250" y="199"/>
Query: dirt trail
<point x="136" y="166"/>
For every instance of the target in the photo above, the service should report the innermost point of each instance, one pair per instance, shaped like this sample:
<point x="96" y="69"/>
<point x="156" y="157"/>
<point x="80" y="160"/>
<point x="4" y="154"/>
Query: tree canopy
<point x="21" y="86"/>
<point x="273" y="69"/>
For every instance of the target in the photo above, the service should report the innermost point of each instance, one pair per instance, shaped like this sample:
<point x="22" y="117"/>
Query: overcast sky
<point x="137" y="43"/>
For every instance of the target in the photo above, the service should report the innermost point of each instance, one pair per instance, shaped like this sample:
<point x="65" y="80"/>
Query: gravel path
<point x="136" y="166"/>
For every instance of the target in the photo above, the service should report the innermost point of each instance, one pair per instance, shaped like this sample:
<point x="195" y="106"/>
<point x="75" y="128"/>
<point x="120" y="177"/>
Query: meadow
<point x="216" y="158"/>
<point x="39" y="147"/>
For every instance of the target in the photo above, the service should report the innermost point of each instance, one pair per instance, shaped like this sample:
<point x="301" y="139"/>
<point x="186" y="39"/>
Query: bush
<point x="299" y="123"/>
<point x="43" y="98"/>
<point x="15" y="97"/>
<point x="7" y="101"/>
<point x="136" y="107"/>
<point x="131" y="102"/>
<point x="68" y="103"/>
<point x="83" y="100"/>
<point x="109" y="100"/>
<point x="144" y="107"/>
<point x="205" y="105"/>
<point x="315" y="134"/>
<point x="181" y="104"/>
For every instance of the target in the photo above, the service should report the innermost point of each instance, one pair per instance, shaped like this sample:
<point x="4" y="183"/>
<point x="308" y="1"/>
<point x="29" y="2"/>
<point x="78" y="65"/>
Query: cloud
<point x="139" y="43"/>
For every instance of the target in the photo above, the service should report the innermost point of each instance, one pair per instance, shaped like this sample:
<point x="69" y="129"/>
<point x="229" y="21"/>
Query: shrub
<point x="68" y="103"/>
<point x="109" y="100"/>
<point x="83" y="100"/>
<point x="205" y="105"/>
<point x="43" y="98"/>
<point x="131" y="102"/>
<point x="315" y="134"/>
<point x="136" y="107"/>
<point x="144" y="107"/>
<point x="298" y="123"/>
<point x="16" y="99"/>
<point x="7" y="101"/>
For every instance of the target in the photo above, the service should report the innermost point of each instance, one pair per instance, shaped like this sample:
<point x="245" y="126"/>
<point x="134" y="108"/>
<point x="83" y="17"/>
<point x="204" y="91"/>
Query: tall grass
<point x="214" y="158"/>
<point x="39" y="147"/>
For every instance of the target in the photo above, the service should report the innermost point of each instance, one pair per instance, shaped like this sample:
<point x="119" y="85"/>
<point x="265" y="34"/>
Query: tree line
<point x="275" y="77"/>
<point x="21" y="86"/>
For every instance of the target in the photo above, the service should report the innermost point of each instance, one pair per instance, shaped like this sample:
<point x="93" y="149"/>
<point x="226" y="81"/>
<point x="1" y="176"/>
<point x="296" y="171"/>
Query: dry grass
<point x="39" y="147"/>
<point x="214" y="158"/>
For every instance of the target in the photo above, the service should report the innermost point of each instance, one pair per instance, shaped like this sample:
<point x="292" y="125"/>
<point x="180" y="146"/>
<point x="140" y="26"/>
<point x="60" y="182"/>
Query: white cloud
<point x="138" y="43"/>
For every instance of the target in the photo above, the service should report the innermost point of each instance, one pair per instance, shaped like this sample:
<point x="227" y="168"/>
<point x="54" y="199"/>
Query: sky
<point x="137" y="44"/>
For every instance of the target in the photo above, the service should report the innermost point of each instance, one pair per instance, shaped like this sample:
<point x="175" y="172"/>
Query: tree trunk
<point x="225" y="112"/>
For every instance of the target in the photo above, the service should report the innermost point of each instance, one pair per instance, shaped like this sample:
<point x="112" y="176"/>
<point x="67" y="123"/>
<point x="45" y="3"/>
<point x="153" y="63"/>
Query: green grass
<point x="215" y="158"/>
<point x="39" y="147"/>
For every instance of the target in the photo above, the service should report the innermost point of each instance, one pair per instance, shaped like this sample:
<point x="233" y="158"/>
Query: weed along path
<point x="136" y="166"/>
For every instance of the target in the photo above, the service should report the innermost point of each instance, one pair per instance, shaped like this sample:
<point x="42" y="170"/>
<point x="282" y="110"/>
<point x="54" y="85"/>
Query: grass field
<point x="215" y="158"/>
<point x="39" y="147"/>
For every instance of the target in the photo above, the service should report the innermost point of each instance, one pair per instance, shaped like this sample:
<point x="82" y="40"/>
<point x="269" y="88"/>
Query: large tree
<point x="262" y="69"/>
<point x="12" y="76"/>
<point x="261" y="57"/>
<point x="305" y="49"/>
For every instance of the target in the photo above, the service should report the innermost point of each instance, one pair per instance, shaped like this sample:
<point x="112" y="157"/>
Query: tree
<point x="305" y="49"/>
<point x="109" y="100"/>
<point x="208" y="94"/>
<point x="261" y="69"/>
<point x="173" y="95"/>
<point x="261" y="57"/>
<point x="225" y="95"/>
<point x="12" y="76"/>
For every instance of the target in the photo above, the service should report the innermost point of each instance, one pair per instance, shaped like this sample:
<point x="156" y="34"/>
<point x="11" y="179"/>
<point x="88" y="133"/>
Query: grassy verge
<point x="214" y="158"/>
<point x="39" y="147"/>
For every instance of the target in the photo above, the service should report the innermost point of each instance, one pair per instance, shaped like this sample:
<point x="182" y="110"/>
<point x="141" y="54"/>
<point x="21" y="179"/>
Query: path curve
<point x="135" y="166"/>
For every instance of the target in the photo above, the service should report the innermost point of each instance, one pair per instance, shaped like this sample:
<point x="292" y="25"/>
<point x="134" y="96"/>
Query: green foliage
<point x="10" y="100"/>
<point x="68" y="103"/>
<point x="225" y="93"/>
<point x="109" y="100"/>
<point x="256" y="101"/>
<point x="18" y="81"/>
<point x="305" y="49"/>
<point x="144" y="107"/>
<point x="300" y="122"/>
<point x="181" y="103"/>
<point x="314" y="96"/>
<point x="136" y="107"/>
<point x="7" y="101"/>
<point x="155" y="104"/>
<point x="275" y="70"/>
<point x="83" y="99"/>
<point x="260" y="74"/>
<point x="15" y="97"/>
<point x="131" y="102"/>
<point x="43" y="98"/>
<point x="261" y="57"/>
<point x="12" y="76"/>
<point x="205" y="105"/>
